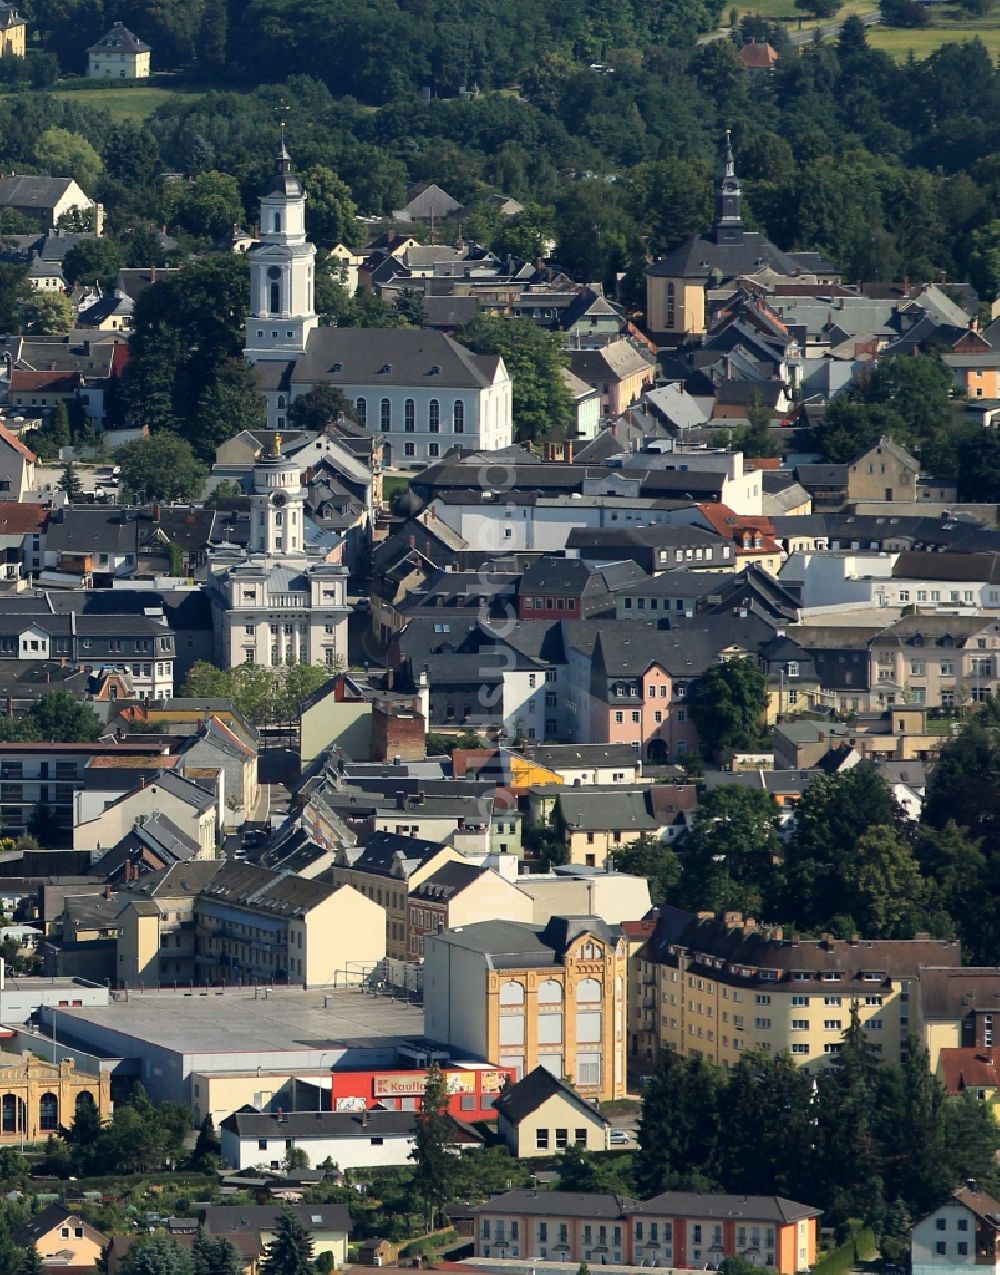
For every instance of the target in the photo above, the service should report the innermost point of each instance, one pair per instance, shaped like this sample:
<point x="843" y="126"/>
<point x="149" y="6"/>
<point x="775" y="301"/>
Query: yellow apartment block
<point x="714" y="987"/>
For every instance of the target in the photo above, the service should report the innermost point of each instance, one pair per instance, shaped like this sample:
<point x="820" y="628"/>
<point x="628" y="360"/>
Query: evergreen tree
<point x="208" y="1148"/>
<point x="215" y="1255"/>
<point x="849" y="1160"/>
<point x="291" y="1250"/>
<point x="767" y="1117"/>
<point x="31" y="1263"/>
<point x="679" y="1124"/>
<point x="69" y="482"/>
<point x="58" y="427"/>
<point x="432" y="1152"/>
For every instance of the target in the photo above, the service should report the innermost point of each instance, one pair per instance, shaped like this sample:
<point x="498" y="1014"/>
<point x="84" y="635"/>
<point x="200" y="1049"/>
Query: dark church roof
<point x="728" y="250"/>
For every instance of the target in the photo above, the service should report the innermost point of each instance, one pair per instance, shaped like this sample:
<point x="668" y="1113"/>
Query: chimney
<point x="400" y="799"/>
<point x="364" y="1117"/>
<point x="156" y="511"/>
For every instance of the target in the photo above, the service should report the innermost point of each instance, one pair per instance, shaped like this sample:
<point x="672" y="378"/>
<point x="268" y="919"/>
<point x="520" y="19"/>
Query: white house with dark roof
<point x="118" y="55"/>
<point x="44" y="199"/>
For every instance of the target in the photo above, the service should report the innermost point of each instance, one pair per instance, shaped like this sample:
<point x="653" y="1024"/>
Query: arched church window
<point x="277" y="223"/>
<point x="275" y="298"/>
<point x="361" y="411"/>
<point x="386" y="413"/>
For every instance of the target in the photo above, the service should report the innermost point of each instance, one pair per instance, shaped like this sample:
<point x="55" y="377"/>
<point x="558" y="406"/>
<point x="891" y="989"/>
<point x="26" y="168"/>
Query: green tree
<point x="161" y="467"/>
<point x="59" y="716"/>
<point x="93" y="261"/>
<point x="14" y="291"/>
<point x="156" y="1254"/>
<point x="291" y="1250"/>
<point x="534" y="359"/>
<point x="47" y="314"/>
<point x="884" y="892"/>
<point x="68" y="154"/>
<point x="732" y="850"/>
<point x="432" y="1151"/>
<point x="331" y="213"/>
<point x="824" y="9"/>
<point x="295" y="1158"/>
<point x="69" y="481"/>
<point x="831" y="817"/>
<point x="316" y="409"/>
<point x="754" y="438"/>
<point x="215" y="1255"/>
<point x="59" y="431"/>
<point x="132" y="156"/>
<point x="651" y="858"/>
<point x="31" y="1263"/>
<point x="727" y="704"/>
<point x="230" y="404"/>
<point x="208" y="207"/>
<point x="679" y="1132"/>
<point x="208" y="1148"/>
<point x="214" y="33"/>
<point x="765" y="1111"/>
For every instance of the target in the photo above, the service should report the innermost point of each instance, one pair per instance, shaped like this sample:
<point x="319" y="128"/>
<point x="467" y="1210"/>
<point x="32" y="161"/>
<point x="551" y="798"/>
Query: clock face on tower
<point x="279" y="499"/>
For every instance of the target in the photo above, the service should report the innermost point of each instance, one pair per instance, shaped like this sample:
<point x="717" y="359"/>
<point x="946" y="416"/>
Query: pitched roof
<point x="14" y="442"/>
<point x="587" y="1204"/>
<point x="33" y="192"/>
<point x="961" y="1069"/>
<point x="700" y="256"/>
<point x="946" y="992"/>
<point x="234" y="1219"/>
<point x="449" y="880"/>
<point x="763" y="1208"/>
<point x="21" y="519"/>
<point x="394" y="357"/>
<point x="539" y="1086"/>
<point x="119" y="40"/>
<point x="984" y="1206"/>
<point x="54" y="1215"/>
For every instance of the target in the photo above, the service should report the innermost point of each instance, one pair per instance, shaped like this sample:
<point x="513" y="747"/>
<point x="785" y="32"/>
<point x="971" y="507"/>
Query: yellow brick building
<point x="37" y="1097"/>
<point x="527" y="996"/>
<point x="715" y="987"/>
<point x="13" y="33"/>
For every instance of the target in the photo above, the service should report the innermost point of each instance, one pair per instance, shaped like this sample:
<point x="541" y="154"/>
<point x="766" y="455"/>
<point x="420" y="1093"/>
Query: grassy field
<point x="135" y="104"/>
<point x="785" y="11"/>
<point x="925" y="40"/>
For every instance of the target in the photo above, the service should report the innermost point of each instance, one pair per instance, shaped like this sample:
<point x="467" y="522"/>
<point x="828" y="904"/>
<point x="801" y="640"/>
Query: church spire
<point x="728" y="199"/>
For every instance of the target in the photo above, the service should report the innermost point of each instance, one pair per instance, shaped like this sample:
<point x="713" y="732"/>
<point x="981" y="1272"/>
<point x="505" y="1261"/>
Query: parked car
<point x="620" y="1137"/>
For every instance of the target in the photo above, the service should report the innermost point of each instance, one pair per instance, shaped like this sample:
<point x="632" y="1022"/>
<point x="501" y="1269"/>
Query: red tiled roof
<point x="961" y="1068"/>
<point x="12" y="440"/>
<point x="638" y="929"/>
<point x="758" y="57"/>
<point x="61" y="382"/>
<point x="726" y="523"/>
<point x="761" y="462"/>
<point x="17" y="519"/>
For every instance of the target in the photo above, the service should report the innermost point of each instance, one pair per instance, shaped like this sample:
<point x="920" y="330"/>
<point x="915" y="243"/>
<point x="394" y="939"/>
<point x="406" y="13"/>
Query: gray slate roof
<point x="358" y="357"/>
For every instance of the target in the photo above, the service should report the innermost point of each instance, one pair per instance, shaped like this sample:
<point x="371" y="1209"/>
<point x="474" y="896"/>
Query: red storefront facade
<point x="472" y="1089"/>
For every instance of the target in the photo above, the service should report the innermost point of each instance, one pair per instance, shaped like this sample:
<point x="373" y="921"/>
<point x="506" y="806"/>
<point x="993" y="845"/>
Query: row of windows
<point x="410" y="415"/>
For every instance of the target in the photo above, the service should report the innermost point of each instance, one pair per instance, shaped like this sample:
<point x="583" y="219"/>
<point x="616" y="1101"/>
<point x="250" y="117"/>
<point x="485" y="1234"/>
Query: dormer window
<point x="385" y="368"/>
<point x="337" y="367"/>
<point x="435" y="370"/>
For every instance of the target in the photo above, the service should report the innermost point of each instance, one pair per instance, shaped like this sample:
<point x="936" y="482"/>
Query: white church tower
<point x="282" y="271"/>
<point x="277" y="504"/>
